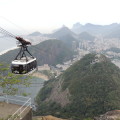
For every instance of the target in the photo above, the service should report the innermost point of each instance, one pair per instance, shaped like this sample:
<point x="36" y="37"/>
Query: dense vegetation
<point x="50" y="52"/>
<point x="94" y="89"/>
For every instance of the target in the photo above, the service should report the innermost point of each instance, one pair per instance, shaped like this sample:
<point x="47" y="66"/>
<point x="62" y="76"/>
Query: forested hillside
<point x="88" y="88"/>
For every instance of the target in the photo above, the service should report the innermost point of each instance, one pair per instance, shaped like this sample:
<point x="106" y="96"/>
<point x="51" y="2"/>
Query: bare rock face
<point x="59" y="96"/>
<point x="111" y="115"/>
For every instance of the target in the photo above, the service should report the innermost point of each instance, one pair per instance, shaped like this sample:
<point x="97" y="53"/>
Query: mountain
<point x="90" y="28"/>
<point x="62" y="32"/>
<point x="88" y="88"/>
<point x="66" y="35"/>
<point x="95" y="29"/>
<point x="35" y="34"/>
<point x="86" y="36"/>
<point x="50" y="52"/>
<point x="68" y="40"/>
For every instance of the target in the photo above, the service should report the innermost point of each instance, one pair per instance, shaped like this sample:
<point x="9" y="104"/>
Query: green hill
<point x="63" y="32"/>
<point x="68" y="40"/>
<point x="88" y="88"/>
<point x="49" y="52"/>
<point x="65" y="35"/>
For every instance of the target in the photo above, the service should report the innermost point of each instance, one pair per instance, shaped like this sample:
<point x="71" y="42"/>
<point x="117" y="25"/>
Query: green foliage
<point x="87" y="119"/>
<point x="45" y="91"/>
<point x="94" y="89"/>
<point x="48" y="108"/>
<point x="24" y="94"/>
<point x="93" y="85"/>
<point x="9" y="82"/>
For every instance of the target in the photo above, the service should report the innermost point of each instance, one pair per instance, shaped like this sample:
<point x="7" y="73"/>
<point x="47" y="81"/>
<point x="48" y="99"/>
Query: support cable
<point x="7" y="33"/>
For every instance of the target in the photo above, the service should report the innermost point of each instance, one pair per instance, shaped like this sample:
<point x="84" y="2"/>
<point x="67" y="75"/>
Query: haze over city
<point x="47" y="15"/>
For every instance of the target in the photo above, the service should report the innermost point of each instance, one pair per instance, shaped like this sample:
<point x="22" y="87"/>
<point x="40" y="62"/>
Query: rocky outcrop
<point x="111" y="115"/>
<point x="59" y="96"/>
<point x="48" y="117"/>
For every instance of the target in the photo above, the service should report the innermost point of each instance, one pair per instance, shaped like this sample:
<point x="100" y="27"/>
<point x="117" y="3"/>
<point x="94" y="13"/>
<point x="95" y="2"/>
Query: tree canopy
<point x="9" y="82"/>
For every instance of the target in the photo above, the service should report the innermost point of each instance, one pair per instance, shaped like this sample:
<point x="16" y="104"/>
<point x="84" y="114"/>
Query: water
<point x="7" y="43"/>
<point x="33" y="89"/>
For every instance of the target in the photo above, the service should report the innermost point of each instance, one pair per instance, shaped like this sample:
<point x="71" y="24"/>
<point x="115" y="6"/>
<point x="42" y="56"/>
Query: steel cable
<point x="7" y="33"/>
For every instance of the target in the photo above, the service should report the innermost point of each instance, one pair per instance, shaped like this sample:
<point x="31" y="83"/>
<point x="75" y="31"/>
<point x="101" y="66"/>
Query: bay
<point x="7" y="43"/>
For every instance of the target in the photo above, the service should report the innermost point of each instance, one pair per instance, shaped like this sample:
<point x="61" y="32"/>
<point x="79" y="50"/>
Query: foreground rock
<point x="111" y="115"/>
<point x="48" y="117"/>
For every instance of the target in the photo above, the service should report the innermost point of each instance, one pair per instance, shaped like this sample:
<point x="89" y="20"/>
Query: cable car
<point x="23" y="63"/>
<point x="22" y="66"/>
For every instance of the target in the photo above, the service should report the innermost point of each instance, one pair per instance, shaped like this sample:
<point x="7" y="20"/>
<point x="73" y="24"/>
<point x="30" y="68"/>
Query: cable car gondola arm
<point x="23" y="41"/>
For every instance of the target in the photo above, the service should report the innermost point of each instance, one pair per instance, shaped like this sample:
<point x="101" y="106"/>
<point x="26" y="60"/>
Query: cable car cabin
<point x="22" y="66"/>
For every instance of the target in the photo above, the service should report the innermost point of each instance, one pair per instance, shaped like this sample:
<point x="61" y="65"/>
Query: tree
<point x="9" y="82"/>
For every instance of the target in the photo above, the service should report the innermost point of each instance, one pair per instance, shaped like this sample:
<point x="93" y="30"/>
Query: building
<point x="44" y="67"/>
<point x="74" y="45"/>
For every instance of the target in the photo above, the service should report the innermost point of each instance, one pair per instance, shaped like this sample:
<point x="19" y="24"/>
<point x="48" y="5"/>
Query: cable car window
<point x="18" y="69"/>
<point x="15" y="69"/>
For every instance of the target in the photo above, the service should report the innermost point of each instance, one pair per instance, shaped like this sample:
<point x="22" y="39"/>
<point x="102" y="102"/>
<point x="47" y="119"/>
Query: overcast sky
<point x="47" y="15"/>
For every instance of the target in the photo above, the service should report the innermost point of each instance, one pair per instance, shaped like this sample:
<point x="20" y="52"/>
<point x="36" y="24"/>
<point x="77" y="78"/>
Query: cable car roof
<point x="23" y="61"/>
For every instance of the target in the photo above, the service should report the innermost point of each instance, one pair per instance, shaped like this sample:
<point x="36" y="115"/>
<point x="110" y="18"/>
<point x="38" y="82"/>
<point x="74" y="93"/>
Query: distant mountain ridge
<point x="35" y="34"/>
<point x="108" y="31"/>
<point x="67" y="36"/>
<point x="95" y="29"/>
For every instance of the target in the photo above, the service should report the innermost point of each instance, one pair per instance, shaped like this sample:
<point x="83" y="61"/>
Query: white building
<point x="44" y="67"/>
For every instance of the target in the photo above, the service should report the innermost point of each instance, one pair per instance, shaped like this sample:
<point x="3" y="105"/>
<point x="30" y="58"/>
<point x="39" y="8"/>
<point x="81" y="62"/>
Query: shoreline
<point x="5" y="51"/>
<point x="40" y="75"/>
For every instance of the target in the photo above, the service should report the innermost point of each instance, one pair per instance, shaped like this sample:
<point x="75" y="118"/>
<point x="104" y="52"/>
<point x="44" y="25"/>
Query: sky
<point x="47" y="15"/>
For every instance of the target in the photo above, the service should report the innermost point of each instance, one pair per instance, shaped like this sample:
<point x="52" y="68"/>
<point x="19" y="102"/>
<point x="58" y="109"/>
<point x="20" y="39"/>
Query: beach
<point x="5" y="51"/>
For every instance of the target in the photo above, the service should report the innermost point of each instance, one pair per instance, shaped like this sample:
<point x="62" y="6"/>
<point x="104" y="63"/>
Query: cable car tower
<point x="24" y="62"/>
